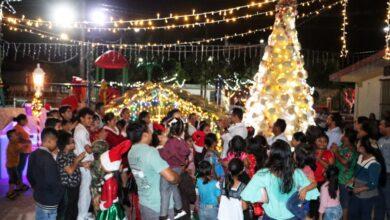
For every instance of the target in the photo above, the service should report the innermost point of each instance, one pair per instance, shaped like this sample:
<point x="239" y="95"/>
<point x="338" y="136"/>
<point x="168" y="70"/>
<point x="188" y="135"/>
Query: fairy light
<point x="387" y="37"/>
<point x="51" y="36"/>
<point x="139" y="24"/>
<point x="344" y="50"/>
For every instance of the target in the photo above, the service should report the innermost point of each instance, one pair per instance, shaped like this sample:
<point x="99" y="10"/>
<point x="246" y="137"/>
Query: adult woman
<point x="281" y="180"/>
<point x="24" y="139"/>
<point x="370" y="172"/>
<point x="114" y="136"/>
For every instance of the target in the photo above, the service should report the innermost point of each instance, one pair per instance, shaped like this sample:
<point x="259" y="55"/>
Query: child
<point x="298" y="139"/>
<point x="305" y="161"/>
<point x="330" y="207"/>
<point x="231" y="206"/>
<point x="191" y="170"/>
<point x="44" y="177"/>
<point x="121" y="125"/>
<point x="212" y="156"/>
<point x="324" y="158"/>
<point x="175" y="152"/>
<point x="13" y="151"/>
<point x="110" y="162"/>
<point x="68" y="165"/>
<point x="237" y="147"/>
<point x="208" y="191"/>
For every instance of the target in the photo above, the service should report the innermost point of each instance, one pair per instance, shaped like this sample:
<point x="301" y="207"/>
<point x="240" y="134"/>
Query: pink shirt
<point x="325" y="200"/>
<point x="309" y="173"/>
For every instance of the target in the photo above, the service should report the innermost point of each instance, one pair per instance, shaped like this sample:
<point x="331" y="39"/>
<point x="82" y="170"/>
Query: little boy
<point x="44" y="177"/>
<point x="13" y="151"/>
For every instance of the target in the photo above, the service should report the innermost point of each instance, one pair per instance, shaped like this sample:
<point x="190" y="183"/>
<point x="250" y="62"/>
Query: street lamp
<point x="38" y="76"/>
<point x="98" y="17"/>
<point x="63" y="15"/>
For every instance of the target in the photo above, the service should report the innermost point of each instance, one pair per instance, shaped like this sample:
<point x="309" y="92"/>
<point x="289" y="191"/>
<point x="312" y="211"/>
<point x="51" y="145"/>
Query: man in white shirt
<point x="278" y="129"/>
<point x="237" y="128"/>
<point x="83" y="144"/>
<point x="192" y="123"/>
<point x="334" y="132"/>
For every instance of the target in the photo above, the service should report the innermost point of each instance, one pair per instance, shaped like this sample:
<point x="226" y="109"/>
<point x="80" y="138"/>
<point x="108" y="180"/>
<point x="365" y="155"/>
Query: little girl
<point x="211" y="155"/>
<point x="330" y="207"/>
<point x="237" y="148"/>
<point x="208" y="191"/>
<point x="176" y="153"/>
<point x="231" y="206"/>
<point x="324" y="158"/>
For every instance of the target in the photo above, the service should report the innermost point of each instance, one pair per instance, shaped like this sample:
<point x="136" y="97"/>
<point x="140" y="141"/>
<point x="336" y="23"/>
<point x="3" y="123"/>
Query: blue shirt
<point x="146" y="165"/>
<point x="212" y="157"/>
<point x="384" y="146"/>
<point x="368" y="171"/>
<point x="276" y="206"/>
<point x="208" y="193"/>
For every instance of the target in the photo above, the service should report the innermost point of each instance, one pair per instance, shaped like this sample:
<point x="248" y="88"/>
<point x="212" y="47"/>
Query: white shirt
<point x="191" y="129"/>
<point x="334" y="136"/>
<point x="81" y="139"/>
<point x="281" y="136"/>
<point x="234" y="130"/>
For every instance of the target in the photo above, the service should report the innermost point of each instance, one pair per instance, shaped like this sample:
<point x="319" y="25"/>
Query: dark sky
<point x="319" y="33"/>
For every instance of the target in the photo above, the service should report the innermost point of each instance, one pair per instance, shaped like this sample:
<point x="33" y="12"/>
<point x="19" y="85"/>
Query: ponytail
<point x="228" y="183"/>
<point x="332" y="174"/>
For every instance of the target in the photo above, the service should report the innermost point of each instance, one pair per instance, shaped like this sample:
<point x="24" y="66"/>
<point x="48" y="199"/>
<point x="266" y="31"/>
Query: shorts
<point x="13" y="175"/>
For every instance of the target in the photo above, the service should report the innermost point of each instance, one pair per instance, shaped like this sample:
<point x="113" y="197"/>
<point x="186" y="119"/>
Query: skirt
<point x="115" y="212"/>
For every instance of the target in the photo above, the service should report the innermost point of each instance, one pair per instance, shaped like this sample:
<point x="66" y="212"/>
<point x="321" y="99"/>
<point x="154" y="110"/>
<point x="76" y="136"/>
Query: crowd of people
<point x="95" y="165"/>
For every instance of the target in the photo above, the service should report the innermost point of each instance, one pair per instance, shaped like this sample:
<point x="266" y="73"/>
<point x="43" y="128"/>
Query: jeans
<point x="344" y="196"/>
<point x="67" y="209"/>
<point x="22" y="163"/>
<point x="333" y="213"/>
<point x="360" y="208"/>
<point x="166" y="190"/>
<point x="45" y="214"/>
<point x="207" y="212"/>
<point x="298" y="207"/>
<point x="382" y="206"/>
<point x="150" y="214"/>
<point x="84" y="194"/>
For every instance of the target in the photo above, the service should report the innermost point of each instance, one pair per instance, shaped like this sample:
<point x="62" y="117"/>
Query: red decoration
<point x="72" y="101"/>
<point x="111" y="60"/>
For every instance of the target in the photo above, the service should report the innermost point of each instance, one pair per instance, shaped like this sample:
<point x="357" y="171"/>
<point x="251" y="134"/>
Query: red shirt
<point x="319" y="173"/>
<point x="114" y="137"/>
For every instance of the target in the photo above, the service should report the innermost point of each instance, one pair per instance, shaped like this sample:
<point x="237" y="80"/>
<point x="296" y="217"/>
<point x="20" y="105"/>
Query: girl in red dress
<point x="114" y="136"/>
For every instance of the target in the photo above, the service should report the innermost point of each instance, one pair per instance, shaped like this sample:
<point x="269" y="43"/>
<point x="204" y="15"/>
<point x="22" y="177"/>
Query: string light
<point x="344" y="50"/>
<point x="172" y="16"/>
<point x="52" y="36"/>
<point x="387" y="37"/>
<point x="139" y="24"/>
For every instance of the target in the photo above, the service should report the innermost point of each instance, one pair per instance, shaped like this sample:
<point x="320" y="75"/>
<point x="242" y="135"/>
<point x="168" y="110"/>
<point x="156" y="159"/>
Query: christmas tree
<point x="280" y="89"/>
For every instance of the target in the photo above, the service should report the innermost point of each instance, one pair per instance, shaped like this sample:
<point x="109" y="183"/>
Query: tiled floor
<point x="22" y="208"/>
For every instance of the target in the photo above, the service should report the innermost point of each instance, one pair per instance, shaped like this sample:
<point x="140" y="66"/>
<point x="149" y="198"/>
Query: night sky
<point x="365" y="30"/>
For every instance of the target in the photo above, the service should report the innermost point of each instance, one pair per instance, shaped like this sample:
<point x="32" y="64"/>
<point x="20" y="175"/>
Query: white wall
<point x="368" y="97"/>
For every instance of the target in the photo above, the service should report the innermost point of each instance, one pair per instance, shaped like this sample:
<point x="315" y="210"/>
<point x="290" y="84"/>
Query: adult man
<point x="384" y="146"/>
<point x="278" y="130"/>
<point x="192" y="123"/>
<point x="236" y="128"/>
<point x="99" y="109"/>
<point x="148" y="167"/>
<point x="334" y="133"/>
<point x="83" y="143"/>
<point x="66" y="112"/>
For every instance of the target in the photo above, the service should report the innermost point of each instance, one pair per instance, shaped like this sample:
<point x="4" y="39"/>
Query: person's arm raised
<point x="170" y="176"/>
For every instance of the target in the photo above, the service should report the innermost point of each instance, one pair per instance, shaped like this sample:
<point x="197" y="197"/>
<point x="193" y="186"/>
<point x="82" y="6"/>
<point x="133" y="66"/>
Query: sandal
<point x="11" y="195"/>
<point x="24" y="188"/>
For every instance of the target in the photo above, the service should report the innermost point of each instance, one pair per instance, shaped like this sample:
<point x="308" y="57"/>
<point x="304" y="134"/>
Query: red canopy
<point x="111" y="60"/>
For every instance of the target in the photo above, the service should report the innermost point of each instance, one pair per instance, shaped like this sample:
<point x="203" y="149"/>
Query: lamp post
<point x="38" y="80"/>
